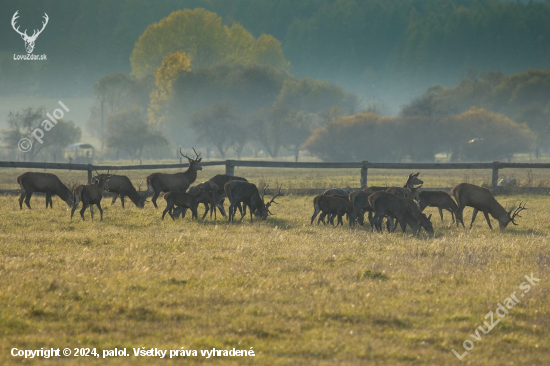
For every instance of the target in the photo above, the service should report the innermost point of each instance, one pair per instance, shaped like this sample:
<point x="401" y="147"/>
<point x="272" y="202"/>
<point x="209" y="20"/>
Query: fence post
<point x="495" y="174"/>
<point x="89" y="174"/>
<point x="364" y="172"/>
<point x="229" y="167"/>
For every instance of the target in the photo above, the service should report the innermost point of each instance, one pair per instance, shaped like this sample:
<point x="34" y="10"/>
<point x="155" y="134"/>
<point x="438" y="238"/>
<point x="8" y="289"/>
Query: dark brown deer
<point x="219" y="196"/>
<point x="90" y="194"/>
<point x="45" y="183"/>
<point x="161" y="182"/>
<point x="401" y="209"/>
<point x="410" y="193"/>
<point x="335" y="206"/>
<point x="360" y="203"/>
<point x="121" y="186"/>
<point x="206" y="191"/>
<point x="411" y="182"/>
<point x="247" y="194"/>
<point x="481" y="199"/>
<point x="441" y="200"/>
<point x="337" y="192"/>
<point x="182" y="199"/>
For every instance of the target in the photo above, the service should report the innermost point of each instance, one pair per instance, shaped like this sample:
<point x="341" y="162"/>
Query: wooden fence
<point x="230" y="165"/>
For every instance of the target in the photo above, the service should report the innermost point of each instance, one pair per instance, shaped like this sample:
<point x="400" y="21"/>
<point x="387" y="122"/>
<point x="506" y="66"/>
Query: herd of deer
<point x="179" y="194"/>
<point x="404" y="204"/>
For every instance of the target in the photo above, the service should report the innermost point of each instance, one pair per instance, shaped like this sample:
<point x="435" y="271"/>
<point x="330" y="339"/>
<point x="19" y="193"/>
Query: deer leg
<point x="100" y="211"/>
<point x="154" y="199"/>
<point x="122" y="200"/>
<point x="206" y="209"/>
<point x="459" y="216"/>
<point x="114" y="199"/>
<point x="220" y="207"/>
<point x="28" y="199"/>
<point x="167" y="209"/>
<point x="452" y="214"/>
<point x="47" y="199"/>
<point x="441" y="214"/>
<point x="488" y="220"/>
<point x="74" y="208"/>
<point x="84" y="207"/>
<point x="340" y="221"/>
<point x="316" y="211"/>
<point x="473" y="217"/>
<point x="21" y="198"/>
<point x="92" y="211"/>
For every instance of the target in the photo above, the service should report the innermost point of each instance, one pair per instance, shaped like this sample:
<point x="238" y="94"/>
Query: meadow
<point x="297" y="293"/>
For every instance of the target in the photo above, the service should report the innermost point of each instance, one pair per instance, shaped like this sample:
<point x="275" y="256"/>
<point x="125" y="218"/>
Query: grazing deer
<point x="404" y="210"/>
<point x="219" y="196"/>
<point x="247" y="194"/>
<point x="206" y="191"/>
<point x="441" y="200"/>
<point x="45" y="183"/>
<point x="481" y="199"/>
<point x="182" y="199"/>
<point x="161" y="182"/>
<point x="335" y="206"/>
<point x="90" y="194"/>
<point x="121" y="185"/>
<point x="360" y="203"/>
<point x="411" y="182"/>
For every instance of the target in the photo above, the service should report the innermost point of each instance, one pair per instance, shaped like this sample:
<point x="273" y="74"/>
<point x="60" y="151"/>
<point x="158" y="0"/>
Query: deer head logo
<point x="29" y="41"/>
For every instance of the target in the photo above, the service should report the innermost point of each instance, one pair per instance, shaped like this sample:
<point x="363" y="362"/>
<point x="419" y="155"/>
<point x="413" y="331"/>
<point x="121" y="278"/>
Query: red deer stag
<point x="411" y="182"/>
<point x="121" y="186"/>
<point x="247" y="194"/>
<point x="481" y="199"/>
<point x="90" y="194"/>
<point x="182" y="200"/>
<point x="45" y="183"/>
<point x="161" y="182"/>
<point x="441" y="200"/>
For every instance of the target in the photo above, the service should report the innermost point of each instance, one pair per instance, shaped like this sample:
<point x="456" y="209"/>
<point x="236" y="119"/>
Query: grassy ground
<point x="298" y="294"/>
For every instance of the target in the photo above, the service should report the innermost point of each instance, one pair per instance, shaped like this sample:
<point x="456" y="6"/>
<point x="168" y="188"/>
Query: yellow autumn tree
<point x="205" y="40"/>
<point x="165" y="75"/>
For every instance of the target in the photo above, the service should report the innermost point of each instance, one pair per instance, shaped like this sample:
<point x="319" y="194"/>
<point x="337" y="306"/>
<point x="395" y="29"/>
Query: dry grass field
<point x="299" y="294"/>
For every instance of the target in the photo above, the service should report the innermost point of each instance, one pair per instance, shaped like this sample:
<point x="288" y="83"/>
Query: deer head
<point x="265" y="211"/>
<point x="413" y="180"/>
<point x="193" y="162"/>
<point x="29" y="41"/>
<point x="512" y="216"/>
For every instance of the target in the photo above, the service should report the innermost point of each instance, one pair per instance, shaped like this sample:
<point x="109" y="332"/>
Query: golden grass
<point x="299" y="294"/>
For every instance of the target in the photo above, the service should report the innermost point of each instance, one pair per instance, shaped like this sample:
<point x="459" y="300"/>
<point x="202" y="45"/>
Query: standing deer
<point x="90" y="194"/>
<point x="411" y="182"/>
<point x="247" y="194"/>
<point x="481" y="199"/>
<point x="404" y="210"/>
<point x="441" y="200"/>
<point x="182" y="200"/>
<point x="45" y="183"/>
<point x="219" y="196"/>
<point x="205" y="193"/>
<point x="161" y="182"/>
<point x="335" y="206"/>
<point x="121" y="185"/>
<point x="360" y="203"/>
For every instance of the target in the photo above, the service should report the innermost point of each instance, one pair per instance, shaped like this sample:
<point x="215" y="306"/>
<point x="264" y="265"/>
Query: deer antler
<point x="277" y="195"/>
<point x="265" y="188"/>
<point x="185" y="156"/>
<point x="13" y="19"/>
<point x="516" y="212"/>
<point x="197" y="155"/>
<point x="37" y="32"/>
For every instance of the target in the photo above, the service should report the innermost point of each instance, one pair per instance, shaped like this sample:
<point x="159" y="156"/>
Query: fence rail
<point x="230" y="165"/>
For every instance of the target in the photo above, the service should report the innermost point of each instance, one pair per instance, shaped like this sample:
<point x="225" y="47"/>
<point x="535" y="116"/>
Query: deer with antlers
<point x="161" y="182"/>
<point x="29" y="41"/>
<point x="90" y="194"/>
<point x="247" y="193"/>
<point x="481" y="199"/>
